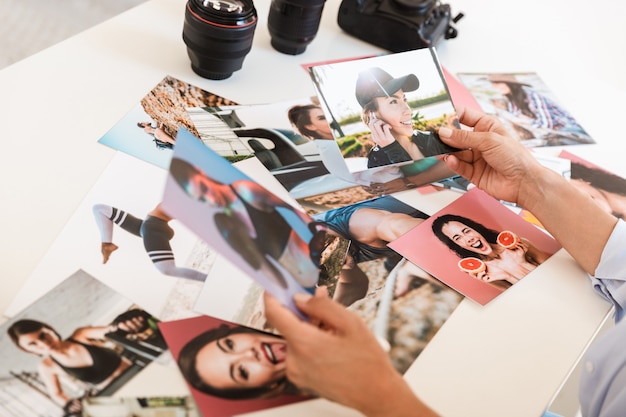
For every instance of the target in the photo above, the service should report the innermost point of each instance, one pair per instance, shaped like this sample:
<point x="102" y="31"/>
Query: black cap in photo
<point x="375" y="82"/>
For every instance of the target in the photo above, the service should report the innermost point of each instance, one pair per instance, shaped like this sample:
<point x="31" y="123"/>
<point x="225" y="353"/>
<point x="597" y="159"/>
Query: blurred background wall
<point x="28" y="26"/>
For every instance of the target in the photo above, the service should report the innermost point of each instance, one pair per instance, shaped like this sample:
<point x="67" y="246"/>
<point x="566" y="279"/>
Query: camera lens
<point x="293" y="24"/>
<point x="415" y="6"/>
<point x="218" y="35"/>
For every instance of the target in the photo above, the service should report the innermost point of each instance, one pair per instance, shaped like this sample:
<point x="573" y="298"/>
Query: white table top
<point x="507" y="358"/>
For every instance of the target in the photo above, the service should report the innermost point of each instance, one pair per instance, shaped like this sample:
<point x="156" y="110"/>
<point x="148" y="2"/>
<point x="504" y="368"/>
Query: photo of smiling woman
<point x="477" y="246"/>
<point x="387" y="113"/>
<point x="504" y="266"/>
<point x="236" y="363"/>
<point x="230" y="369"/>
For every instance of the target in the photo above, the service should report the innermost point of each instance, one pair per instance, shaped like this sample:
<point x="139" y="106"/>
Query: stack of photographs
<point x="210" y="203"/>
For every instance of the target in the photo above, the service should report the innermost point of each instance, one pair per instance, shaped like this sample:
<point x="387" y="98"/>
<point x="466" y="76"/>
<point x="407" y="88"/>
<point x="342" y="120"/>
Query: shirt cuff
<point x="610" y="277"/>
<point x="613" y="260"/>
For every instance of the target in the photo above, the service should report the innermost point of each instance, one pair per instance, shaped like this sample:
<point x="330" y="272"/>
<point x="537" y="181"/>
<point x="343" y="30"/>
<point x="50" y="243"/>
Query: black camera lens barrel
<point x="293" y="24"/>
<point x="415" y="6"/>
<point x="218" y="35"/>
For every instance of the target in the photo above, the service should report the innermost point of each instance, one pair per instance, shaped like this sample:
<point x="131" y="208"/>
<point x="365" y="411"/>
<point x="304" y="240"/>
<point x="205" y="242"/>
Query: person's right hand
<point x="492" y="160"/>
<point x="336" y="356"/>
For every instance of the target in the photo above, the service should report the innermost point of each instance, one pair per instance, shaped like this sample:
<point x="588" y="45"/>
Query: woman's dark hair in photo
<point x="181" y="171"/>
<point x="599" y="178"/>
<point x="489" y="234"/>
<point x="519" y="98"/>
<point x="300" y="117"/>
<point x="187" y="363"/>
<point x="26" y="326"/>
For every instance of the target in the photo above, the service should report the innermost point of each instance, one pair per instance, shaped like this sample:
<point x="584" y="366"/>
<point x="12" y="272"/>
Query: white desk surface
<point x="508" y="358"/>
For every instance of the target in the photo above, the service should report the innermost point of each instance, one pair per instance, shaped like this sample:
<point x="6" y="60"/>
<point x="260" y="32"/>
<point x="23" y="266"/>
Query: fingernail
<point x="446" y="132"/>
<point x="301" y="297"/>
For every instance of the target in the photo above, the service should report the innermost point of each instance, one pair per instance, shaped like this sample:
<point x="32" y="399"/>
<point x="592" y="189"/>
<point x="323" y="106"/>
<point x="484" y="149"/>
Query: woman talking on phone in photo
<point x="385" y="111"/>
<point x="390" y="118"/>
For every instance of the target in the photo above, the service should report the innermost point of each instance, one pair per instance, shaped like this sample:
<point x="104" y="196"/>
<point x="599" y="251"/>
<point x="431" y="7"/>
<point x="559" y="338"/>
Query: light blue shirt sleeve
<point x="603" y="379"/>
<point x="610" y="275"/>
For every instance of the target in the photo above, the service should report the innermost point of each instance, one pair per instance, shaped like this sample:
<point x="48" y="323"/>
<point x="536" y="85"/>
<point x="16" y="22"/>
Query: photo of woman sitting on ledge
<point x="85" y="355"/>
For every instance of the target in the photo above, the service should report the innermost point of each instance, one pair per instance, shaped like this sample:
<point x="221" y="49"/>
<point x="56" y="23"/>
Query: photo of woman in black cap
<point x="390" y="118"/>
<point x="388" y="123"/>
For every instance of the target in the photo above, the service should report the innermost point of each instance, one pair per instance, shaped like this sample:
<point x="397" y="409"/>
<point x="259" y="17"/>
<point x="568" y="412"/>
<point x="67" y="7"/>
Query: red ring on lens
<point x="218" y="24"/>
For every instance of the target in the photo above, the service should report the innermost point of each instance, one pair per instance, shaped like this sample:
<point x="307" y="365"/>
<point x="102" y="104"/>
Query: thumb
<point x="457" y="138"/>
<point x="481" y="127"/>
<point x="328" y="313"/>
<point x="281" y="317"/>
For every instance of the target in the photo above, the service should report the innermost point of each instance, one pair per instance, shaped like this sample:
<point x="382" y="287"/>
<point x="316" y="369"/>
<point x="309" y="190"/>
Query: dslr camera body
<point x="398" y="25"/>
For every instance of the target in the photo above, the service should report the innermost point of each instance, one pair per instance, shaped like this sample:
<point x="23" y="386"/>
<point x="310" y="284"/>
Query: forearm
<point x="571" y="216"/>
<point x="53" y="386"/>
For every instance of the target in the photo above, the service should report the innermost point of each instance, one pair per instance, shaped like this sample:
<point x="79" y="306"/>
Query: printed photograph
<point x="118" y="233"/>
<point x="606" y="188"/>
<point x="401" y="303"/>
<point x="139" y="407"/>
<point x="281" y="135"/>
<point x="295" y="142"/>
<point x="527" y="107"/>
<point x="81" y="340"/>
<point x="230" y="369"/>
<point x="271" y="240"/>
<point x="386" y="110"/>
<point x="148" y="131"/>
<point x="477" y="246"/>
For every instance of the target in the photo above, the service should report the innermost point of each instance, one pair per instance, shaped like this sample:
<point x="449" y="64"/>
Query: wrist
<point x="539" y="187"/>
